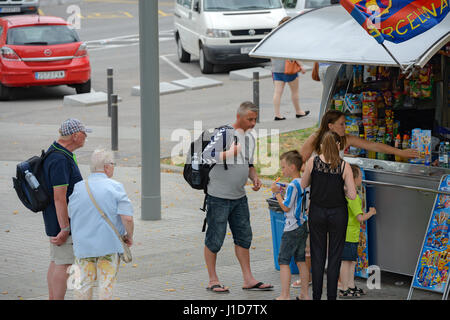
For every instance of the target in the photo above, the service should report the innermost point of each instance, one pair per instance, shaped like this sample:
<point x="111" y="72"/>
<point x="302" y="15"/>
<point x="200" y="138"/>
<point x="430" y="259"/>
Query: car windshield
<point x="41" y="35"/>
<point x="240" y="5"/>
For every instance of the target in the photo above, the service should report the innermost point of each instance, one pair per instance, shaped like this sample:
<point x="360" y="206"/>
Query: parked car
<point x="18" y="6"/>
<point x="41" y="51"/>
<point x="223" y="31"/>
<point x="296" y="7"/>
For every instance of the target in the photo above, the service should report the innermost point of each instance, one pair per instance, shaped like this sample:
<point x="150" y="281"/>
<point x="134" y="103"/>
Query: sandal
<point x="214" y="288"/>
<point x="348" y="294"/>
<point x="357" y="290"/>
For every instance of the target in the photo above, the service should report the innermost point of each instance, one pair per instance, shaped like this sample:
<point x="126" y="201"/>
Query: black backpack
<point x="195" y="153"/>
<point x="34" y="198"/>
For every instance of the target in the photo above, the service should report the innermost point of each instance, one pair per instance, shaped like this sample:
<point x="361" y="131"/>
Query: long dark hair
<point x="331" y="116"/>
<point x="329" y="148"/>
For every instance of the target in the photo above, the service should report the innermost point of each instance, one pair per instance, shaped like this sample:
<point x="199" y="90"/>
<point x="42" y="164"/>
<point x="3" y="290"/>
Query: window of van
<point x="309" y="4"/>
<point x="317" y="3"/>
<point x="185" y="3"/>
<point x="240" y="5"/>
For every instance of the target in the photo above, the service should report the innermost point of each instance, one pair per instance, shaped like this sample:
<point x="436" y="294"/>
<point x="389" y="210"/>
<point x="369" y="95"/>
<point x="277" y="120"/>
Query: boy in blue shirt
<point x="293" y="240"/>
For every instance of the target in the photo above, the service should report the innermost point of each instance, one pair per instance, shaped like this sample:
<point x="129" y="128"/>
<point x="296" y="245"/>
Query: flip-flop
<point x="258" y="287"/>
<point x="216" y="286"/>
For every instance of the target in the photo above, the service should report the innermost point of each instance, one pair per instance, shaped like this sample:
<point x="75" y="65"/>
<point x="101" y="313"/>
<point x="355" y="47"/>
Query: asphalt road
<point x="111" y="28"/>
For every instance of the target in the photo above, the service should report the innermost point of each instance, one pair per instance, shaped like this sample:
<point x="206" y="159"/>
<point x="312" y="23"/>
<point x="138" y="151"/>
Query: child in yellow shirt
<point x="350" y="253"/>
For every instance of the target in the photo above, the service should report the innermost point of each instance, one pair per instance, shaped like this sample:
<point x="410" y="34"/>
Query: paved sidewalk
<point x="168" y="254"/>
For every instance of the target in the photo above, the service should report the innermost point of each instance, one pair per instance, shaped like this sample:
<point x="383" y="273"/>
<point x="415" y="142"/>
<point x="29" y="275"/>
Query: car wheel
<point x="84" y="87"/>
<point x="205" y="66"/>
<point x="183" y="56"/>
<point x="5" y="93"/>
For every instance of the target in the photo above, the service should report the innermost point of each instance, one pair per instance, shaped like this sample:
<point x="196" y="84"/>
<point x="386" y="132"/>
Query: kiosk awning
<point x="330" y="34"/>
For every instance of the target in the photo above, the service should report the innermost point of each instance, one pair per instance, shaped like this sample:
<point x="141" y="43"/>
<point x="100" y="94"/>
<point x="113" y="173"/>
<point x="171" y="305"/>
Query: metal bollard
<point x="114" y="123"/>
<point x="110" y="89"/>
<point x="256" y="92"/>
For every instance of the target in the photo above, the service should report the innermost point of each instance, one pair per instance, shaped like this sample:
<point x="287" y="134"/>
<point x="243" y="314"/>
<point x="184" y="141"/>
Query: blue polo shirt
<point x="59" y="170"/>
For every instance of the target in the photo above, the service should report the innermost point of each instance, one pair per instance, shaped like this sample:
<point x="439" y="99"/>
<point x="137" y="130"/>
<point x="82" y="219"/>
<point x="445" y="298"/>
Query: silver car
<point x="18" y="6"/>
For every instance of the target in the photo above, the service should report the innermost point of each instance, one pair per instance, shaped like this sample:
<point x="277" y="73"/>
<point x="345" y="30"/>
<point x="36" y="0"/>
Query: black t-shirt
<point x="59" y="170"/>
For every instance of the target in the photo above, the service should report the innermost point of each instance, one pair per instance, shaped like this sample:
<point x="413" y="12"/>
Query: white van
<point x="223" y="31"/>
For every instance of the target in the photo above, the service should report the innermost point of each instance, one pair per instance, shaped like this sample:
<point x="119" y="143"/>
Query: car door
<point x="198" y="26"/>
<point x="183" y="13"/>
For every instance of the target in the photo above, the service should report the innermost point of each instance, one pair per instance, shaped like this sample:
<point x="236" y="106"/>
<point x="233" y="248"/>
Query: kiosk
<point x="381" y="103"/>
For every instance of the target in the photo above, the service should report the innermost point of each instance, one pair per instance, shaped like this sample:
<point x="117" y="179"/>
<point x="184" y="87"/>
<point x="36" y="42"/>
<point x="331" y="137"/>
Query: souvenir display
<point x="363" y="252"/>
<point x="434" y="262"/>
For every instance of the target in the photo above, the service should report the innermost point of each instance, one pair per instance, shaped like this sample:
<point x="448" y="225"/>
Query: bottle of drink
<point x="388" y="141"/>
<point x="31" y="180"/>
<point x="196" y="178"/>
<point x="442" y="151"/>
<point x="398" y="145"/>
<point x="380" y="139"/>
<point x="405" y="145"/>
<point x="362" y="152"/>
<point x="447" y="155"/>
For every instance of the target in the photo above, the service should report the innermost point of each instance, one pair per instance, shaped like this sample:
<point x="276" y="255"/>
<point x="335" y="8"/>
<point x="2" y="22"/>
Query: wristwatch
<point x="66" y="229"/>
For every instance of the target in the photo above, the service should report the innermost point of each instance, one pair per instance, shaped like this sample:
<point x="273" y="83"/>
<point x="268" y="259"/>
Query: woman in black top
<point x="331" y="180"/>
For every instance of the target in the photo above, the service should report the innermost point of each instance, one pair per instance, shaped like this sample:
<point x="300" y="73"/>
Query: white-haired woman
<point x="95" y="244"/>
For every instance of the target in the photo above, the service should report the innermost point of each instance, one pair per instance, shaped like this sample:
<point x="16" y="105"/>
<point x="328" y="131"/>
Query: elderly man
<point x="61" y="173"/>
<point x="227" y="200"/>
<point x="96" y="246"/>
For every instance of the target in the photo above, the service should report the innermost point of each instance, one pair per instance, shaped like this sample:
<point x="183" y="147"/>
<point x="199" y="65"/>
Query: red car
<point x="41" y="51"/>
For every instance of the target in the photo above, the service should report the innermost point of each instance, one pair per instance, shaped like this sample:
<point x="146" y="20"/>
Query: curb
<point x="175" y="169"/>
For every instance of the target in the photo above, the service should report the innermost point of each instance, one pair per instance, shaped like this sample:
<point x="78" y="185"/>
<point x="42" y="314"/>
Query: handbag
<point x="126" y="255"/>
<point x="291" y="67"/>
<point x="315" y="72"/>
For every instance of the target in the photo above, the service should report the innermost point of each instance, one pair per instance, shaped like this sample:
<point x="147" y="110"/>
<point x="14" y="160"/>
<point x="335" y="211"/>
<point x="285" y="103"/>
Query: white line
<point x="176" y="67"/>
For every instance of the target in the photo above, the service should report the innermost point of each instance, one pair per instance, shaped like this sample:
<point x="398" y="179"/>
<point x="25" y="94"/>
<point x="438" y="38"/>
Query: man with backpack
<point x="231" y="151"/>
<point x="61" y="173"/>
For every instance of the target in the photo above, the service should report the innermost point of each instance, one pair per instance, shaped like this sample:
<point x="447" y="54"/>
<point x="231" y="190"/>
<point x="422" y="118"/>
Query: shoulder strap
<point x="342" y="165"/>
<point x="103" y="214"/>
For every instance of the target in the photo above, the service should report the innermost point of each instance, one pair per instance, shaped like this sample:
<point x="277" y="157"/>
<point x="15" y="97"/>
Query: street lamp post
<point x="150" y="126"/>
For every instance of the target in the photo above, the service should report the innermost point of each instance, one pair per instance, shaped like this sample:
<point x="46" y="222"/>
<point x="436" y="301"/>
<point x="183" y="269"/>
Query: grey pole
<point x="110" y="88"/>
<point x="256" y="92"/>
<point x="150" y="126"/>
<point x="114" y="123"/>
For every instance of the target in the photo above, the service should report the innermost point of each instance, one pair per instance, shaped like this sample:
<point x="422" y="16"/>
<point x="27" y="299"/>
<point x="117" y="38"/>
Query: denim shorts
<point x="236" y="214"/>
<point x="293" y="244"/>
<point x="350" y="252"/>
<point x="279" y="76"/>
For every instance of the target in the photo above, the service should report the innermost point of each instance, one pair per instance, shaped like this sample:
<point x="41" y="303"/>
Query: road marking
<point x="162" y="13"/>
<point x="114" y="1"/>
<point x="164" y="57"/>
<point x="124" y="41"/>
<point x="108" y="15"/>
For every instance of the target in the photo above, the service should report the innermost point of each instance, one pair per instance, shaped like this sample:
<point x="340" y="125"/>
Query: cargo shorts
<point x="62" y="254"/>
<point x="221" y="212"/>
